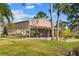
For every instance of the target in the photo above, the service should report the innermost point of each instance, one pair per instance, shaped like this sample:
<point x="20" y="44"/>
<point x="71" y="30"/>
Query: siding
<point x="21" y="25"/>
<point x="41" y="23"/>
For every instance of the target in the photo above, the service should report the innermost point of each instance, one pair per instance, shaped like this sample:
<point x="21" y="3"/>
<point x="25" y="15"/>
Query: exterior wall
<point x="40" y="23"/>
<point x="43" y="26"/>
<point x="20" y="27"/>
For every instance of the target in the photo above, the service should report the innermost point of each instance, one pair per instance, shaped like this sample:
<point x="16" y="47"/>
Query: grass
<point x="10" y="47"/>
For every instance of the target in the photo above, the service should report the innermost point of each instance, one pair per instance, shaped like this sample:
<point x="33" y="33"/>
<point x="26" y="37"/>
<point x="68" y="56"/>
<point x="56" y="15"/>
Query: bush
<point x="5" y="31"/>
<point x="20" y="35"/>
<point x="66" y="33"/>
<point x="76" y="51"/>
<point x="76" y="36"/>
<point x="34" y="33"/>
<point x="8" y="36"/>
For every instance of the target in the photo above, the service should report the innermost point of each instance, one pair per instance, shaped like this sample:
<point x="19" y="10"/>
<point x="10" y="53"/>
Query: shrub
<point x="5" y="31"/>
<point x="34" y="33"/>
<point x="20" y="35"/>
<point x="66" y="33"/>
<point x="76" y="51"/>
<point x="76" y="36"/>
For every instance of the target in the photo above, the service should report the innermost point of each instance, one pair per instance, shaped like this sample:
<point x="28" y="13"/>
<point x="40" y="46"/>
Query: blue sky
<point x="30" y="10"/>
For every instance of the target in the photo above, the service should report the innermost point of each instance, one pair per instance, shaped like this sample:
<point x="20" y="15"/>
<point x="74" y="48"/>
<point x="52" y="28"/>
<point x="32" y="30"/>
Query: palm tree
<point x="52" y="24"/>
<point x="5" y="12"/>
<point x="58" y="18"/>
<point x="61" y="8"/>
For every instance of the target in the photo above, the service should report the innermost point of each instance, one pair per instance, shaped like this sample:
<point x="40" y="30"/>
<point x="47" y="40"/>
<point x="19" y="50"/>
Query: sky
<point x="21" y="13"/>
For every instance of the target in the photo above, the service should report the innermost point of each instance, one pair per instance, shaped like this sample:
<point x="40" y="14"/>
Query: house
<point x="42" y="26"/>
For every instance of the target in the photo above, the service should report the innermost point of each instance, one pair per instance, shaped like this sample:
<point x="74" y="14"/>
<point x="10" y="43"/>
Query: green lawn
<point x="34" y="47"/>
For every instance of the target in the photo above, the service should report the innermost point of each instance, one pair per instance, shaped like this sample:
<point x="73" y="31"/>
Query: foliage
<point x="62" y="25"/>
<point x="61" y="8"/>
<point x="5" y="31"/>
<point x="20" y="35"/>
<point x="76" y="51"/>
<point x="76" y="36"/>
<point x="34" y="32"/>
<point x="5" y="12"/>
<point x="41" y="14"/>
<point x="10" y="26"/>
<point x="73" y="17"/>
<point x="66" y="33"/>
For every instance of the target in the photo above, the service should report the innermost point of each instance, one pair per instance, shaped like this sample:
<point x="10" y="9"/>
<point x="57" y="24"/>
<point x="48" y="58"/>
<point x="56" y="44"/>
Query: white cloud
<point x="17" y="11"/>
<point x="30" y="7"/>
<point x="22" y="17"/>
<point x="19" y="15"/>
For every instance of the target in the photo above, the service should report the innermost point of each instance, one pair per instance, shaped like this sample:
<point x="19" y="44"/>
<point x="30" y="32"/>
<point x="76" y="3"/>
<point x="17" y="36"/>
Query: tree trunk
<point x="52" y="24"/>
<point x="1" y="23"/>
<point x="73" y="33"/>
<point x="58" y="26"/>
<point x="0" y="29"/>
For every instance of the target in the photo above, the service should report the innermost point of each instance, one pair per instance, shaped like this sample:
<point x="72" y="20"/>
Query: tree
<point x="41" y="14"/>
<point x="73" y="18"/>
<point x="52" y="24"/>
<point x="65" y="33"/>
<point x="5" y="12"/>
<point x="63" y="25"/>
<point x="61" y="8"/>
<point x="5" y="31"/>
